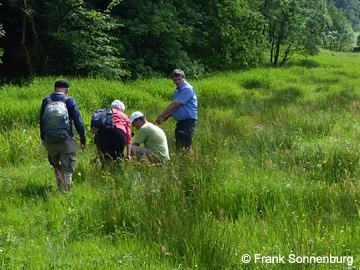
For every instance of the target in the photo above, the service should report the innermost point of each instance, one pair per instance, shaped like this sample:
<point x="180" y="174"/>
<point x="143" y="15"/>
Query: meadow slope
<point x="275" y="171"/>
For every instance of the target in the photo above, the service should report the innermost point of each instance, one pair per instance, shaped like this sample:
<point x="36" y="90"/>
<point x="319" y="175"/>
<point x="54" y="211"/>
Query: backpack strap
<point x="65" y="99"/>
<point x="48" y="98"/>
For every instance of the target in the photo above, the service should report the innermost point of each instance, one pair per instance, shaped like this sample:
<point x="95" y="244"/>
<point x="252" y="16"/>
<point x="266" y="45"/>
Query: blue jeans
<point x="184" y="133"/>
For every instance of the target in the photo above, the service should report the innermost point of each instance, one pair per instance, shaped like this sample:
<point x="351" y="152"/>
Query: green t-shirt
<point x="155" y="139"/>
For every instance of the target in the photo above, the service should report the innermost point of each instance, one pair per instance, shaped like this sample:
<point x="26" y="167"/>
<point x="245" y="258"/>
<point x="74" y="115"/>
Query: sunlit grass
<point x="274" y="171"/>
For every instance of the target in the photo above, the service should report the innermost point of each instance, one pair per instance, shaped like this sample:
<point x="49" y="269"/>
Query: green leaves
<point x="142" y="38"/>
<point x="61" y="38"/>
<point x="340" y="36"/>
<point x="298" y="26"/>
<point x="86" y="36"/>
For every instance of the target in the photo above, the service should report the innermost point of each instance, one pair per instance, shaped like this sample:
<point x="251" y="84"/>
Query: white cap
<point x="135" y="116"/>
<point x="118" y="105"/>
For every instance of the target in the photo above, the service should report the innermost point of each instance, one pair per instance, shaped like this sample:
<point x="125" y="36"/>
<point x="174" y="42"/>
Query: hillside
<point x="275" y="172"/>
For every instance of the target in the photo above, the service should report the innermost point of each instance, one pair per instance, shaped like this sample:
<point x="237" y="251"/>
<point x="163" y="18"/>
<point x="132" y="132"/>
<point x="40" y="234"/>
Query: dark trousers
<point x="111" y="144"/>
<point x="184" y="133"/>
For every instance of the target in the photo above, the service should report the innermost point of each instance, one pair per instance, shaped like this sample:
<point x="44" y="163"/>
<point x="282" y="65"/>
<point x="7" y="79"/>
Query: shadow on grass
<point x="307" y="63"/>
<point x="336" y="102"/>
<point x="279" y="98"/>
<point x="283" y="97"/>
<point x="36" y="191"/>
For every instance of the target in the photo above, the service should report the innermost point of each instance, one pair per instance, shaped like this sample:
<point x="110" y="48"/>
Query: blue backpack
<point x="103" y="119"/>
<point x="56" y="120"/>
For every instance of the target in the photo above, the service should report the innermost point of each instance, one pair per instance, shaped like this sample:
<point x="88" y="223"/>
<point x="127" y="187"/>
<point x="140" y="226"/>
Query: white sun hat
<point x="135" y="116"/>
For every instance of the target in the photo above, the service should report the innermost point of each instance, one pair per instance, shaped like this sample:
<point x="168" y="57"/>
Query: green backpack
<point x="56" y="120"/>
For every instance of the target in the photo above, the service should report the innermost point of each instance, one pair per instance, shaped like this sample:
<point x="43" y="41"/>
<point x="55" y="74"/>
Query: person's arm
<point x="128" y="132"/>
<point x="128" y="151"/>
<point x="128" y="136"/>
<point x="168" y="112"/>
<point x="75" y="115"/>
<point x="42" y="110"/>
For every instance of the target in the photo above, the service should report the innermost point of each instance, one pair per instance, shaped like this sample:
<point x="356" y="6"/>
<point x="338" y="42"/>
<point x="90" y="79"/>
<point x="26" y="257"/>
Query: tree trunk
<point x="24" y="47"/>
<point x="286" y="55"/>
<point x="278" y="42"/>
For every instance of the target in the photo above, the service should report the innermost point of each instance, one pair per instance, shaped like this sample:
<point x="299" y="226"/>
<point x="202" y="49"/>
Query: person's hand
<point x="83" y="146"/>
<point x="159" y="120"/>
<point x="94" y="130"/>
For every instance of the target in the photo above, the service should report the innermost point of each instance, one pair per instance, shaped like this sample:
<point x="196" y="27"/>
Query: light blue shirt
<point x="187" y="97"/>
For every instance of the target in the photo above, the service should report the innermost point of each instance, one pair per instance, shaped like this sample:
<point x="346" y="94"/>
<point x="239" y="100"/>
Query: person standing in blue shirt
<point x="184" y="109"/>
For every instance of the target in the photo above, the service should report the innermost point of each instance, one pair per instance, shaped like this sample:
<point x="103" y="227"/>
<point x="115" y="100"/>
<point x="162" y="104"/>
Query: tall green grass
<point x="274" y="171"/>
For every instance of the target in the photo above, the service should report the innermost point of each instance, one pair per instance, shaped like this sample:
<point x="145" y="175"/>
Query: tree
<point x="57" y="37"/>
<point x="292" y="26"/>
<point x="225" y="34"/>
<point x="340" y="36"/>
<point x="2" y="33"/>
<point x="152" y="36"/>
<point x="86" y="45"/>
<point x="351" y="10"/>
<point x="160" y="35"/>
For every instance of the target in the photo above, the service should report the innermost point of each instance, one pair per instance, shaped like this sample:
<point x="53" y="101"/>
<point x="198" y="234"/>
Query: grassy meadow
<point x="275" y="171"/>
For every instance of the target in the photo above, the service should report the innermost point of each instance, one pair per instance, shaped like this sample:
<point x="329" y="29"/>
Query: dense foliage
<point x="139" y="38"/>
<point x="351" y="9"/>
<point x="2" y="33"/>
<point x="43" y="37"/>
<point x="296" y="25"/>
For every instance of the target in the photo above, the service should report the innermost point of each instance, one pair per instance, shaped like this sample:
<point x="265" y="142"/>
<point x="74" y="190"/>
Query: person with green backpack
<point x="58" y="113"/>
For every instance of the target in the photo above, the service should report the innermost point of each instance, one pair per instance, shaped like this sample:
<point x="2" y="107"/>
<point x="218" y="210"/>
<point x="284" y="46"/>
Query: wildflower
<point x="79" y="173"/>
<point x="165" y="250"/>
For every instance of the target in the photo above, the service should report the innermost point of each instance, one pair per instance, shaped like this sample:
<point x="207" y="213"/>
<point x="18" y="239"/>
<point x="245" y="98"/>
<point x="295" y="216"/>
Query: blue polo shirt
<point x="187" y="97"/>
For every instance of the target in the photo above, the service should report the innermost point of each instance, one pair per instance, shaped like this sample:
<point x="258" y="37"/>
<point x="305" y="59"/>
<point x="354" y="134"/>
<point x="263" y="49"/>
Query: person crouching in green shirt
<point x="154" y="139"/>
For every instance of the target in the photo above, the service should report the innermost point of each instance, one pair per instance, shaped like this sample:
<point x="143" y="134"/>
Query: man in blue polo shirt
<point x="183" y="109"/>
